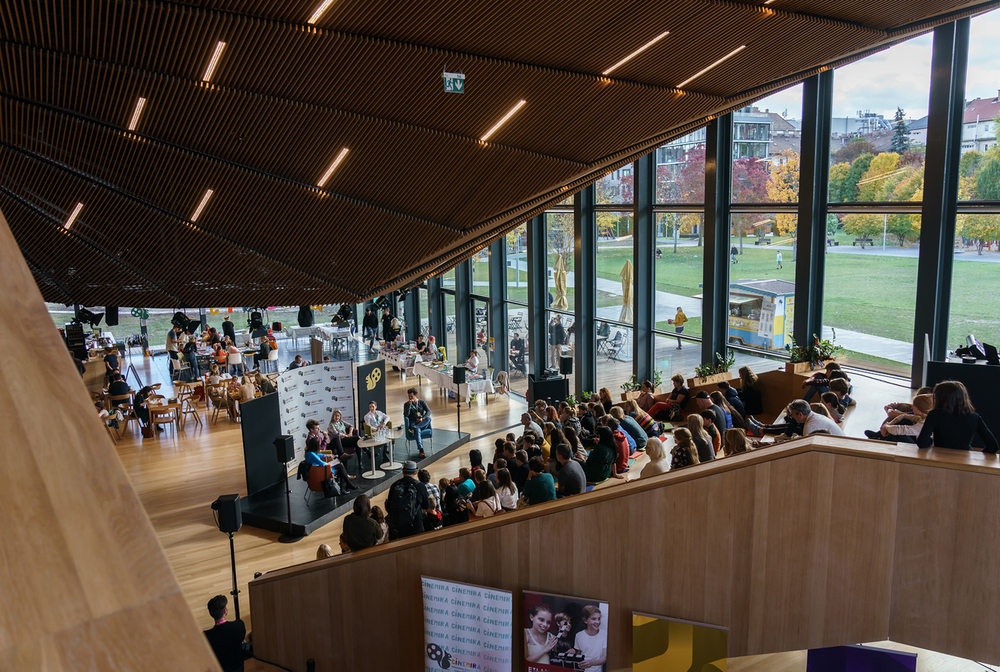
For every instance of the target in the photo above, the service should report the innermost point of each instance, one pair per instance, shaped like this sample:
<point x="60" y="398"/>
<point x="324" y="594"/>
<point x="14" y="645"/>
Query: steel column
<point x="537" y="296"/>
<point x="585" y="290"/>
<point x="465" y="324"/>
<point x="644" y="250"/>
<point x="718" y="184"/>
<point x="411" y="313"/>
<point x="435" y="311"/>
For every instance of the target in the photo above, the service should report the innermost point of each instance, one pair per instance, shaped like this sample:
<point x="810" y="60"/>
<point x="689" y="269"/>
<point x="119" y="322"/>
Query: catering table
<point x="444" y="380"/>
<point x="402" y="360"/>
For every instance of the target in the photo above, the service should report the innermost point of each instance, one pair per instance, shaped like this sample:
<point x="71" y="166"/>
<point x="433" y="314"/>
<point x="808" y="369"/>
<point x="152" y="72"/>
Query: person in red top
<point x="621" y="446"/>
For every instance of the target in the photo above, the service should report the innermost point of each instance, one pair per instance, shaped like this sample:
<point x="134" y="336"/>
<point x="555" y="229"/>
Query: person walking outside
<point x="679" y="319"/>
<point x="778" y="260"/>
<point x="732" y="253"/>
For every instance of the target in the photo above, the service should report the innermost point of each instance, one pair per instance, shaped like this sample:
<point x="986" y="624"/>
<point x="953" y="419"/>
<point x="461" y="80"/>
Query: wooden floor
<point x="177" y="476"/>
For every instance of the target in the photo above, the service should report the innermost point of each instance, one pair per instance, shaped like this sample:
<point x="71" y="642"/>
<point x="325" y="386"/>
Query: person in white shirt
<point x="473" y="361"/>
<point x="375" y="418"/>
<point x="812" y="422"/>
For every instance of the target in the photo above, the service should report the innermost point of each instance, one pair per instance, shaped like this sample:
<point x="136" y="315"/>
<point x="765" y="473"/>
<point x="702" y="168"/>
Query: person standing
<point x="173" y="345"/>
<point x="732" y="253"/>
<point x="387" y="334"/>
<point x="418" y="415"/>
<point x="557" y="338"/>
<point x="778" y="260"/>
<point x="679" y="319"/>
<point x="228" y="329"/>
<point x="226" y="637"/>
<point x="369" y="326"/>
<point x="407" y="504"/>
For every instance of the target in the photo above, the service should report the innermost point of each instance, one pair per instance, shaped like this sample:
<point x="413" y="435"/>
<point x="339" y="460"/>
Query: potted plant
<point x="713" y="372"/>
<point x="630" y="388"/>
<point x="816" y="354"/>
<point x="571" y="399"/>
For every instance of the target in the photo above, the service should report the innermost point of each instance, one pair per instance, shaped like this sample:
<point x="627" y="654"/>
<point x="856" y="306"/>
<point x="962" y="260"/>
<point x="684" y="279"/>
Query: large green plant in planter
<point x="720" y="365"/>
<point x="819" y="350"/>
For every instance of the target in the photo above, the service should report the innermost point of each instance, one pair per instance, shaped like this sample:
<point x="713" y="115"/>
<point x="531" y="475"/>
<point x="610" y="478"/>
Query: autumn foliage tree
<point x="784" y="188"/>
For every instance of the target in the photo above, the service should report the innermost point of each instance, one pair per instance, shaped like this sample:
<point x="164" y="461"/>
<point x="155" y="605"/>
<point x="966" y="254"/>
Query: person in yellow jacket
<point x="679" y="319"/>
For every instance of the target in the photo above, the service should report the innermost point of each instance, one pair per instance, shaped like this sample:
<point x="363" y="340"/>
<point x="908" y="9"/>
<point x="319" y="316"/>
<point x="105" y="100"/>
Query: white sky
<point x="900" y="76"/>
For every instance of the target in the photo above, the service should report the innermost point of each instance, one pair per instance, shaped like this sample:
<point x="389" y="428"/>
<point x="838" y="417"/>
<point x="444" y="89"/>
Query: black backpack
<point x="404" y="509"/>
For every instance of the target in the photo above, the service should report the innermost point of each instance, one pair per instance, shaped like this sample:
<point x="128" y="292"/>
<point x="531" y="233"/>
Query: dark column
<point x="644" y="249"/>
<point x="435" y="311"/>
<point x="718" y="183"/>
<point x="585" y="290"/>
<point x="537" y="295"/>
<point x="498" y="304"/>
<point x="411" y="312"/>
<point x="465" y="324"/>
<point x="937" y="220"/>
<point x="814" y="179"/>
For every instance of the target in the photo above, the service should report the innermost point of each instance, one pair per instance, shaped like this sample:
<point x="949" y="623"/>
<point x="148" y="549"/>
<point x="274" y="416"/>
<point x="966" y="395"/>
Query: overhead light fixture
<point x="141" y="103"/>
<point x="636" y="52"/>
<point x="214" y="62"/>
<point x="768" y="2"/>
<point x="73" y="215"/>
<point x="502" y="121"/>
<point x="333" y="167"/>
<point x="319" y="10"/>
<point x="718" y="62"/>
<point x="201" y="206"/>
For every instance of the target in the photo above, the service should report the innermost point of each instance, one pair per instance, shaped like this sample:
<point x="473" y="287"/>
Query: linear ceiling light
<point x="201" y="206"/>
<point x="333" y="167"/>
<point x="214" y="62"/>
<point x="502" y="121"/>
<point x="718" y="62"/>
<point x="141" y="103"/>
<point x="636" y="52"/>
<point x="73" y="215"/>
<point x="319" y="10"/>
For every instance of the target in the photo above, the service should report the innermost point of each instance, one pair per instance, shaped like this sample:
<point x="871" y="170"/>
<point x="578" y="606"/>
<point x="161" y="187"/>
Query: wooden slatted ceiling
<point x="416" y="192"/>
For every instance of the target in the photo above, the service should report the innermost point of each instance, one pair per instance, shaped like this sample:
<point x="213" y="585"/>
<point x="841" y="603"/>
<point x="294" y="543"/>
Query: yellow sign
<point x="371" y="380"/>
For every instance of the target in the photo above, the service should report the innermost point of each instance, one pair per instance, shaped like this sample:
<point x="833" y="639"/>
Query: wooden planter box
<point x="804" y="367"/>
<point x="635" y="395"/>
<point x="714" y="379"/>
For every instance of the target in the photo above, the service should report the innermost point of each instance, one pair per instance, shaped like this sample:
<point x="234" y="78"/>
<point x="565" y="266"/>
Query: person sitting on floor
<point x="953" y="422"/>
<point x="812" y="422"/>
<point x="684" y="453"/>
<point x="630" y="427"/>
<point x="540" y="486"/>
<point x="645" y="420"/>
<point x="905" y="427"/>
<point x="833" y="405"/>
<point x="360" y="529"/>
<point x="736" y="442"/>
<point x="572" y="480"/>
<point x="226" y="637"/>
<point x="700" y="438"/>
<point x="601" y="462"/>
<point x="732" y="397"/>
<point x="750" y="394"/>
<point x="658" y="463"/>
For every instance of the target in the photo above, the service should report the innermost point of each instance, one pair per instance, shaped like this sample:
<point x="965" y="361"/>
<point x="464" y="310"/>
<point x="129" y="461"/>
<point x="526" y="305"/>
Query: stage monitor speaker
<point x="285" y="448"/>
<point x="565" y="365"/>
<point x="458" y="375"/>
<point x="230" y="513"/>
<point x="111" y="315"/>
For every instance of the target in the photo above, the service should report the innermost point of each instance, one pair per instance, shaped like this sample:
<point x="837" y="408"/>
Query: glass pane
<point x="425" y="320"/>
<point x="680" y="169"/>
<point x="482" y="312"/>
<point x="517" y="347"/>
<point x="679" y="264"/>
<point x="560" y="237"/>
<point x="974" y="281"/>
<point x="616" y="187"/>
<point x="561" y="327"/>
<point x="449" y="324"/>
<point x="766" y="141"/>
<point x="615" y="266"/>
<point x="481" y="272"/>
<point x="614" y="358"/>
<point x="879" y="125"/>
<point x="517" y="264"/>
<point x="448" y="279"/>
<point x="980" y="167"/>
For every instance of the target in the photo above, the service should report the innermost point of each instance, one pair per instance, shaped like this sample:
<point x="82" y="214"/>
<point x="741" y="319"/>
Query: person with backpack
<point x="407" y="504"/>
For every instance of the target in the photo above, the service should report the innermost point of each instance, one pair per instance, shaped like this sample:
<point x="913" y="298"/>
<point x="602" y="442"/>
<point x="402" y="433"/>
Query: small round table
<point x="373" y="443"/>
<point x="393" y="434"/>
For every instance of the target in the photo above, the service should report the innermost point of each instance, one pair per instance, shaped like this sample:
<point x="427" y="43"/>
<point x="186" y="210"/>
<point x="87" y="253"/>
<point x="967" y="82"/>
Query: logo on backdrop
<point x="372" y="379"/>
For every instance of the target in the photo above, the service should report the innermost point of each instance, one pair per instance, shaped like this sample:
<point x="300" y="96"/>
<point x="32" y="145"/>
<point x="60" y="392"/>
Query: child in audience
<point x="464" y="482"/>
<point x="433" y="519"/>
<point x="344" y="548"/>
<point x="832" y="404"/>
<point x="708" y="424"/>
<point x="500" y="464"/>
<point x="905" y="427"/>
<point x="378" y="515"/>
<point x="324" y="551"/>
<point x="902" y="408"/>
<point x="821" y="409"/>
<point x="684" y="453"/>
<point x="506" y="489"/>
<point x="842" y="389"/>
<point x="736" y="442"/>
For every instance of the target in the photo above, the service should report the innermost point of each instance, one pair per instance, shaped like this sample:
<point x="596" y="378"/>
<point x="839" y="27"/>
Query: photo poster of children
<point x="661" y="644"/>
<point x="564" y="633"/>
<point x="466" y="627"/>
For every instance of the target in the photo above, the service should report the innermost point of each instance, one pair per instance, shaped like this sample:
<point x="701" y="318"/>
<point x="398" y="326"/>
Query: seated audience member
<point x="819" y="382"/>
<point x="812" y="422"/>
<point x="786" y="427"/>
<point x="538" y="411"/>
<point x="732" y="397"/>
<point x="485" y="502"/>
<point x="344" y="548"/>
<point x="500" y="464"/>
<point x="568" y="419"/>
<point x="735" y="442"/>
<point x="905" y="427"/>
<point x="579" y="452"/>
<point x="540" y="486"/>
<point x="645" y="420"/>
<point x="901" y="407"/>
<point x="842" y="388"/>
<point x="696" y="427"/>
<point x="604" y="395"/>
<point x="530" y="425"/>
<point x="476" y="460"/>
<point x="646" y="399"/>
<point x="378" y="515"/>
<point x="708" y="424"/>
<point x="705" y="403"/>
<point x="433" y="518"/>
<point x="434" y="491"/>
<point x="264" y="384"/>
<point x="324" y="551"/>
<point x="315" y="459"/>
<point x="684" y="453"/>
<point x="953" y="422"/>
<point x="226" y="637"/>
<point x="117" y="387"/>
<point x="733" y="417"/>
<point x="464" y="482"/>
<point x="749" y="392"/>
<point x="658" y="463"/>
<point x="622" y="449"/>
<point x="521" y="469"/>
<point x="506" y="489"/>
<point x="630" y="427"/>
<point x="360" y="529"/>
<point x="821" y="409"/>
<point x="834" y="406"/>
<point x="531" y="445"/>
<point x="601" y="463"/>
<point x="478" y="478"/>
<point x="552" y="415"/>
<point x="586" y="419"/>
<point x="572" y="480"/>
<point x="673" y="408"/>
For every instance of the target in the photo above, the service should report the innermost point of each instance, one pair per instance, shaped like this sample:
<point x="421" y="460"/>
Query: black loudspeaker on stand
<point x="285" y="450"/>
<point x="458" y="377"/>
<point x="230" y="520"/>
<point x="566" y="365"/>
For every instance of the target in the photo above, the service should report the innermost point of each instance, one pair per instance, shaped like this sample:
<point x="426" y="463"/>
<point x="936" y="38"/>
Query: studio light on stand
<point x="229" y="518"/>
<point x="88" y="317"/>
<point x="286" y="453"/>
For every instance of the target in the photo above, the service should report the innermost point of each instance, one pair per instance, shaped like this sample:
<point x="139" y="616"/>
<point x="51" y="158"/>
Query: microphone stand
<point x="235" y="592"/>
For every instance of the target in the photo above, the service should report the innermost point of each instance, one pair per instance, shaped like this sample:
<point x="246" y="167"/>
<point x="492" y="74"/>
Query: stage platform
<point x="267" y="509"/>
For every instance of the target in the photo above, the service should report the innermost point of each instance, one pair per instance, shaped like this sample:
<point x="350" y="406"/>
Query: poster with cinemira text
<point x="466" y="627"/>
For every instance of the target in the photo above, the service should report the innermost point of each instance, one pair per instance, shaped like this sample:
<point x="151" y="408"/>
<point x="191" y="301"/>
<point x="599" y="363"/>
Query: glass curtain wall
<point x="517" y="308"/>
<point x="615" y="300"/>
<point x="451" y="349"/>
<point x="425" y="318"/>
<point x="560" y="319"/>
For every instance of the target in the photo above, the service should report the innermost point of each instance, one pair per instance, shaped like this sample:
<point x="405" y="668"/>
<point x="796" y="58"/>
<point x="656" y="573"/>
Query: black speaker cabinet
<point x="565" y="365"/>
<point x="458" y="375"/>
<point x="285" y="448"/>
<point x="305" y="316"/>
<point x="230" y="514"/>
<point x="111" y="315"/>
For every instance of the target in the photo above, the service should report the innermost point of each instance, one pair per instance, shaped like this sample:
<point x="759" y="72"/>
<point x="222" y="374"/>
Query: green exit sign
<point x="454" y="82"/>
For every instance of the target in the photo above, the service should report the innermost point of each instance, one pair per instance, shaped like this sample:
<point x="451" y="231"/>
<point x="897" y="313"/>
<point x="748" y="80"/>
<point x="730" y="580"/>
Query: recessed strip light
<point x="768" y="2"/>
<point x="333" y="167"/>
<point x="718" y="62"/>
<point x="201" y="206"/>
<point x="636" y="52"/>
<point x="141" y="103"/>
<point x="210" y="70"/>
<point x="73" y="215"/>
<point x="319" y="11"/>
<point x="502" y="121"/>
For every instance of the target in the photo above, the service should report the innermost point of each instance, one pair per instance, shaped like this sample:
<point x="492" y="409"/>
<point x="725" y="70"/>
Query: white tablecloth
<point x="242" y="338"/>
<point x="444" y="379"/>
<point x="401" y="360"/>
<point x="300" y="332"/>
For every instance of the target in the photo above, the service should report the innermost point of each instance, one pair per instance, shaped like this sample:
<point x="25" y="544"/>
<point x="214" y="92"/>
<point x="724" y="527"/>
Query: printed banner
<point x="315" y="392"/>
<point x="563" y="632"/>
<point x="661" y="644"/>
<point x="371" y="387"/>
<point x="467" y="627"/>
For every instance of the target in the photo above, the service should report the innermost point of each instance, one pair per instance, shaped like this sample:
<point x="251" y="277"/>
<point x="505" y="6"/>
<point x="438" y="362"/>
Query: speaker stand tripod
<point x="289" y="536"/>
<point x="236" y="592"/>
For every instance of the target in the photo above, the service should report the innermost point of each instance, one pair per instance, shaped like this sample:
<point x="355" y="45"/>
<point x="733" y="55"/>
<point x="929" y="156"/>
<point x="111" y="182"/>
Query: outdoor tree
<point x="849" y="188"/>
<point x="969" y="164"/>
<point x="854" y="148"/>
<point x="749" y="185"/>
<point x="838" y="182"/>
<point x="910" y="188"/>
<point x="900" y="133"/>
<point x="560" y="233"/>
<point x="981" y="229"/>
<point x="880" y="178"/>
<point x="864" y="226"/>
<point x="988" y="176"/>
<point x="784" y="188"/>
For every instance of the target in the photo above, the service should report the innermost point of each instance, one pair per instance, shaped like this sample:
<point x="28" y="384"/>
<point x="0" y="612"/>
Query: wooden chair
<point x="128" y="413"/>
<point x="217" y="395"/>
<point x="164" y="414"/>
<point x="189" y="406"/>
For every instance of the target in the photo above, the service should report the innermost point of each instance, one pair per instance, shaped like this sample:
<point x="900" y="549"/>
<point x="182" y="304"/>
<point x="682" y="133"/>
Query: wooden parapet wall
<point x="821" y="542"/>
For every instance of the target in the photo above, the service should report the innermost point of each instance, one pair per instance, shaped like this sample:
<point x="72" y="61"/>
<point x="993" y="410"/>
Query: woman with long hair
<point x="360" y="529"/>
<point x="605" y="396"/>
<point x="644" y="419"/>
<point x="750" y="391"/>
<point x="486" y="501"/>
<point x="600" y="465"/>
<point x="506" y="489"/>
<point x="573" y="439"/>
<point x="735" y="442"/>
<point x="954" y="422"/>
<point x="700" y="438"/>
<point x="552" y="415"/>
<point x="684" y="453"/>
<point x="454" y="510"/>
<point x="732" y="415"/>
